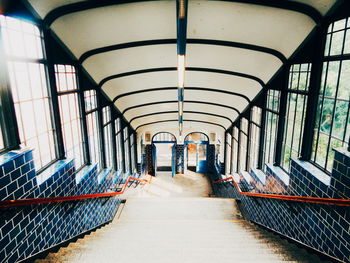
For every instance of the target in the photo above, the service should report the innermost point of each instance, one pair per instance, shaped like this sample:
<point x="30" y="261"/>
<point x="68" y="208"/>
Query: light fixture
<point x="181" y="70"/>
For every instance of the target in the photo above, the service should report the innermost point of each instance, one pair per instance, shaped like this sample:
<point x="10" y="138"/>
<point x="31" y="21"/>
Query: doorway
<point x="196" y="147"/>
<point x="164" y="152"/>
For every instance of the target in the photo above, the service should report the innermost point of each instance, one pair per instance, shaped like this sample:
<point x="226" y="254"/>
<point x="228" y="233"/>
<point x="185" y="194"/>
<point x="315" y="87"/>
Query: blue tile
<point x="8" y="167"/>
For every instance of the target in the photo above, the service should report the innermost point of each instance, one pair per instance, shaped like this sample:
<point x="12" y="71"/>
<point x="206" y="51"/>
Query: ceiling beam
<point x="214" y="42"/>
<point x="58" y="12"/>
<point x="186" y="101"/>
<point x="173" y="120"/>
<point x="174" y="88"/>
<point x="211" y="70"/>
<point x="169" y="112"/>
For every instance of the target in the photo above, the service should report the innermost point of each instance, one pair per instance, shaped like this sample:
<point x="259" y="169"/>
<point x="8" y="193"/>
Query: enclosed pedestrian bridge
<point x="174" y="131"/>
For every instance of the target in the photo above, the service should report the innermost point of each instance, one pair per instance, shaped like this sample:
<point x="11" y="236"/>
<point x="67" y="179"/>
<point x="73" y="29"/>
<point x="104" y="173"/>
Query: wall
<point x="25" y="231"/>
<point x="323" y="227"/>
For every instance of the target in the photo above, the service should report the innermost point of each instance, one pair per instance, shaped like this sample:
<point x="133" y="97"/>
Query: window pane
<point x="228" y="152"/>
<point x="332" y="118"/>
<point x="270" y="137"/>
<point x="234" y="167"/>
<point x="243" y="144"/>
<point x="90" y="100"/>
<point x="126" y="150"/>
<point x="32" y="109"/>
<point x="93" y="135"/>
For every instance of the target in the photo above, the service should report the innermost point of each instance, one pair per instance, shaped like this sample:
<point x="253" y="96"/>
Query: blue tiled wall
<point x="26" y="231"/>
<point x="323" y="227"/>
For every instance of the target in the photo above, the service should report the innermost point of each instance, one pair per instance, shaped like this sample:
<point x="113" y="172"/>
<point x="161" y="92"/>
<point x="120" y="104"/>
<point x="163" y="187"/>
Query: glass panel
<point x="92" y="130"/>
<point x="90" y="100"/>
<point x="71" y="128"/>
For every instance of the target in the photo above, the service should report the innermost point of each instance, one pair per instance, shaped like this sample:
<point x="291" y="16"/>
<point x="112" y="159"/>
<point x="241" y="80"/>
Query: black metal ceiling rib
<point x="186" y="101"/>
<point x="169" y="112"/>
<point x="85" y="5"/>
<point x="155" y="122"/>
<point x="175" y="88"/>
<point x="110" y="48"/>
<point x="212" y="70"/>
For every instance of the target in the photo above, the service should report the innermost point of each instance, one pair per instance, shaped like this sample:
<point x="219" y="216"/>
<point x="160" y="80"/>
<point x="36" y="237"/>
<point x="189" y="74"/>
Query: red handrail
<point x="36" y="201"/>
<point x="305" y="199"/>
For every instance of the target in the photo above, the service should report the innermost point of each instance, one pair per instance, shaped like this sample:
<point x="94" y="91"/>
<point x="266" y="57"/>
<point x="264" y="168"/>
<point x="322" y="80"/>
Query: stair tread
<point x="213" y="233"/>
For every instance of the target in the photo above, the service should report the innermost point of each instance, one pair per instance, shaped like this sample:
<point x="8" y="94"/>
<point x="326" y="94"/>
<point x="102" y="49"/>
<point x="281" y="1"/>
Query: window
<point x="271" y="120"/>
<point x="298" y="87"/>
<point x="254" y="137"/>
<point x="126" y="150"/>
<point x="132" y="147"/>
<point x="68" y="99"/>
<point x="107" y="135"/>
<point x="243" y="144"/>
<point x="234" y="165"/>
<point x="332" y="127"/>
<point x="228" y="152"/>
<point x="119" y="142"/>
<point x="28" y="81"/>
<point x="92" y="126"/>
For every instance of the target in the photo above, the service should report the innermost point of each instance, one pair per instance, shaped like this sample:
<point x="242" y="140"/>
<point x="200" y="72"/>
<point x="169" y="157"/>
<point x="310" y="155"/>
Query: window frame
<point x="326" y="59"/>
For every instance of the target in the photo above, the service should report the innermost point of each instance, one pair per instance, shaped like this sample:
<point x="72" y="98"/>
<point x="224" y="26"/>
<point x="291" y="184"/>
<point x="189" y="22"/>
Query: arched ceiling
<point x="233" y="49"/>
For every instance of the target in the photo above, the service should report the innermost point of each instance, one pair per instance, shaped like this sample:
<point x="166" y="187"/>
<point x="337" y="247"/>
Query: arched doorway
<point x="196" y="147"/>
<point x="164" y="152"/>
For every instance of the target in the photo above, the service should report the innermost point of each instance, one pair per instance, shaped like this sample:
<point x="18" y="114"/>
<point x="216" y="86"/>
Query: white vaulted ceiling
<point x="233" y="50"/>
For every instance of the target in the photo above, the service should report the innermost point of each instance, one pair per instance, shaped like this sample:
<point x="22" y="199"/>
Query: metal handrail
<point x="304" y="199"/>
<point x="58" y="199"/>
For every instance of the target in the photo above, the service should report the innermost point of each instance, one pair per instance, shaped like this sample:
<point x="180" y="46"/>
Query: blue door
<point x="154" y="159"/>
<point x="202" y="163"/>
<point x="173" y="160"/>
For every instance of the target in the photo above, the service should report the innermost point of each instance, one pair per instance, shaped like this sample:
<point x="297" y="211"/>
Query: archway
<point x="196" y="147"/>
<point x="164" y="152"/>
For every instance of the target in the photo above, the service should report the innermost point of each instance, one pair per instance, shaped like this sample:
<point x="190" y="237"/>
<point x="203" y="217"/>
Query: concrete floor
<point x="164" y="185"/>
<point x="170" y="221"/>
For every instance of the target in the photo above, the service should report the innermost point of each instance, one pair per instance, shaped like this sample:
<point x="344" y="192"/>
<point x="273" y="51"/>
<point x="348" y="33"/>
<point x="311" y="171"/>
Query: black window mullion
<point x="122" y="145"/>
<point x="101" y="137"/>
<point x="314" y="90"/>
<point x="129" y="146"/>
<point x="114" y="142"/>
<point x="281" y="117"/>
<point x="262" y="132"/>
<point x="55" y="113"/>
<point x="225" y="151"/>
<point x="87" y="157"/>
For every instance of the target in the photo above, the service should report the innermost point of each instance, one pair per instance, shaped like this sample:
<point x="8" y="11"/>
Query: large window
<point x="234" y="158"/>
<point x="132" y="147"/>
<point x="68" y="99"/>
<point x="243" y="144"/>
<point x="28" y="81"/>
<point x="126" y="150"/>
<point x="92" y="126"/>
<point x="228" y="152"/>
<point x="298" y="87"/>
<point x="107" y="135"/>
<point x="119" y="144"/>
<point x="271" y="120"/>
<point x="332" y="127"/>
<point x="254" y="136"/>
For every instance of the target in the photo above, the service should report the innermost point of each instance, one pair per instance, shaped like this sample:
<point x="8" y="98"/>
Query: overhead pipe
<point x="181" y="14"/>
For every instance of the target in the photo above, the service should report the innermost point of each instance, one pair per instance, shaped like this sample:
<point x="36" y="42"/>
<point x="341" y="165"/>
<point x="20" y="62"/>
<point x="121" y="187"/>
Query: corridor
<point x="174" y="131"/>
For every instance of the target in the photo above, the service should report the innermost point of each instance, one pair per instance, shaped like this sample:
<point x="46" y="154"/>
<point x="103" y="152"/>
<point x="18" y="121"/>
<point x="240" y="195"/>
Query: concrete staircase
<point x="181" y="230"/>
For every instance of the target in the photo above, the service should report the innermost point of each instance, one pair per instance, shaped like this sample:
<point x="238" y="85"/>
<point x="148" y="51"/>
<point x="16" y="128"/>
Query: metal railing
<point x="58" y="199"/>
<point x="304" y="199"/>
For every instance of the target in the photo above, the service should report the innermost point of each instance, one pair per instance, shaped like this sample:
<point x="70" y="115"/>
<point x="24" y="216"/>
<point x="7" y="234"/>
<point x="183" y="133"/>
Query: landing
<point x="164" y="185"/>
